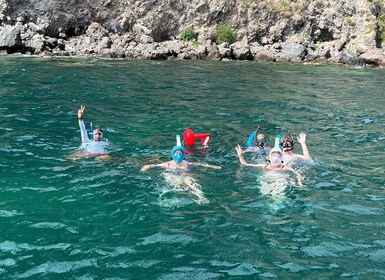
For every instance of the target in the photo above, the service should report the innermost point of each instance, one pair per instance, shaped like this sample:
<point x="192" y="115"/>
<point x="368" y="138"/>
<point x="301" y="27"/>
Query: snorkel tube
<point x="91" y="132"/>
<point x="250" y="142"/>
<point x="178" y="142"/>
<point x="277" y="143"/>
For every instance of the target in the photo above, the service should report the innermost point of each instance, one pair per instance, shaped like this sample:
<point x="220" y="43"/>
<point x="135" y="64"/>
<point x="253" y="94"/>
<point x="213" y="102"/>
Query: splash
<point x="181" y="183"/>
<point x="274" y="185"/>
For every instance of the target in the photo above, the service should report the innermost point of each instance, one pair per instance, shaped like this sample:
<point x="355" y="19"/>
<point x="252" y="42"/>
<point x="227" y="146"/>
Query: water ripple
<point x="330" y="249"/>
<point x="167" y="238"/>
<point x="58" y="267"/>
<point x="10" y="213"/>
<point x="361" y="210"/>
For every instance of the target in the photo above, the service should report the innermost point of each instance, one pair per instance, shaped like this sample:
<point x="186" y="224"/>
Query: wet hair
<point x="98" y="128"/>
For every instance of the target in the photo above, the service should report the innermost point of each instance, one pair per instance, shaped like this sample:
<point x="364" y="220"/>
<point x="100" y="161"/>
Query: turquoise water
<point x="87" y="219"/>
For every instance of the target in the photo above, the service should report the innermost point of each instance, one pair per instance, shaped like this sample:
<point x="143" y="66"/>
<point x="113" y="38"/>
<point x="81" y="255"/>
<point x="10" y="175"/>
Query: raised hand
<point x="301" y="138"/>
<point x="81" y="111"/>
<point x="239" y="150"/>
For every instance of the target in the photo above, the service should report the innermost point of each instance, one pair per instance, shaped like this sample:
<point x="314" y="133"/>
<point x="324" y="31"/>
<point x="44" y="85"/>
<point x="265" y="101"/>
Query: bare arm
<point x="148" y="166"/>
<point x="252" y="149"/>
<point x="83" y="131"/>
<point x="302" y="140"/>
<point x="205" y="165"/>
<point x="299" y="176"/>
<point x="242" y="160"/>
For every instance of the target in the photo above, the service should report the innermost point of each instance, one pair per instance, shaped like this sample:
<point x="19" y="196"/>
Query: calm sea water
<point x="86" y="219"/>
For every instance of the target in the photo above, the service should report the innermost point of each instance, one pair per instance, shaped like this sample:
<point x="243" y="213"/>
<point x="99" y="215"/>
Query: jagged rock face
<point x="10" y="37"/>
<point x="295" y="29"/>
<point x="255" y="21"/>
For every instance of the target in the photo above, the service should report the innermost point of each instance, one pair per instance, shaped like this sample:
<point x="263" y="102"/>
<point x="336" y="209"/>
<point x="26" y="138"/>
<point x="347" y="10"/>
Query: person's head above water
<point x="260" y="141"/>
<point x="98" y="134"/>
<point x="276" y="157"/>
<point x="276" y="154"/>
<point x="287" y="143"/>
<point x="178" y="153"/>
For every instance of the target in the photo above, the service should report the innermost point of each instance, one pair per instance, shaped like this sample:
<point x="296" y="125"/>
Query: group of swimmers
<point x="279" y="158"/>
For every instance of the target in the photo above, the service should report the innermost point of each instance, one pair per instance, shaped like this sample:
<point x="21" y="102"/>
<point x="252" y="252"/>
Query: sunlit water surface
<point x="89" y="219"/>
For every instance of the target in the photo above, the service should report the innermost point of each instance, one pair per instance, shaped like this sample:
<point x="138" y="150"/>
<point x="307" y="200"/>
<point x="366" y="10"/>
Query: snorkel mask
<point x="261" y="142"/>
<point x="276" y="157"/>
<point x="276" y="154"/>
<point x="287" y="143"/>
<point x="178" y="157"/>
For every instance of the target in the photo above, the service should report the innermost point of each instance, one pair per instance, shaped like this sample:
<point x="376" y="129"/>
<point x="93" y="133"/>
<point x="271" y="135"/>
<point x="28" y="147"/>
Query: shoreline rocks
<point x="302" y="32"/>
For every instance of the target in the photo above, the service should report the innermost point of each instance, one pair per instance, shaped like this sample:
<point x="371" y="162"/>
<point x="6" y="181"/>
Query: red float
<point x="190" y="137"/>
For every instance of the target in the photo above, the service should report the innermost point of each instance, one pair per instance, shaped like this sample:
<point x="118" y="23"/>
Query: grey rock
<point x="241" y="51"/>
<point x="10" y="37"/>
<point x="36" y="43"/>
<point x="338" y="31"/>
<point x="351" y="58"/>
<point x="293" y="50"/>
<point x="374" y="57"/>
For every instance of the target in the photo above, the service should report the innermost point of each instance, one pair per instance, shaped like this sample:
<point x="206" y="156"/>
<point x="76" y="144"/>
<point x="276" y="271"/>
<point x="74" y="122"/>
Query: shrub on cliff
<point x="188" y="34"/>
<point x="225" y="34"/>
<point x="381" y="27"/>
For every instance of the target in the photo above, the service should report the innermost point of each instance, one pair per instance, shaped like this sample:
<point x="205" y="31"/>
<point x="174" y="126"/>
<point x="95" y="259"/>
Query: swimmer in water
<point x="181" y="182"/>
<point x="287" y="144"/>
<point x="256" y="143"/>
<point x="91" y="148"/>
<point x="178" y="162"/>
<point x="260" y="145"/>
<point x="275" y="164"/>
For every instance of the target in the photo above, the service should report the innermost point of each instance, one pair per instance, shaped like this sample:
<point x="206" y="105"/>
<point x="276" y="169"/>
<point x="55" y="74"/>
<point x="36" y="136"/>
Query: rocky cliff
<point x="325" y="31"/>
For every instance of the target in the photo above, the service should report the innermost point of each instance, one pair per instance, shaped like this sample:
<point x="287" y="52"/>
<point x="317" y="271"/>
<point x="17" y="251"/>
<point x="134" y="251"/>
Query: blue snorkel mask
<point x="178" y="157"/>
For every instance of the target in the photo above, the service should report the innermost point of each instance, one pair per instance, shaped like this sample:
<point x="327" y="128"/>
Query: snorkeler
<point x="275" y="164"/>
<point x="94" y="147"/>
<point x="260" y="147"/>
<point x="256" y="143"/>
<point x="181" y="182"/>
<point x="178" y="162"/>
<point x="287" y="144"/>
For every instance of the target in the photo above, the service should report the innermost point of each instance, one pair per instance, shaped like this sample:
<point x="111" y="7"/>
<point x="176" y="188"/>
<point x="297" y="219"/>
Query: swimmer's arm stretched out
<point x="252" y="149"/>
<point x="148" y="166"/>
<point x="83" y="130"/>
<point x="242" y="160"/>
<point x="256" y="150"/>
<point x="205" y="165"/>
<point x="299" y="176"/>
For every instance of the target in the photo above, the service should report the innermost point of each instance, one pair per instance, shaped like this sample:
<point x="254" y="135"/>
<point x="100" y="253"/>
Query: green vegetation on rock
<point x="188" y="34"/>
<point x="225" y="34"/>
<point x="381" y="26"/>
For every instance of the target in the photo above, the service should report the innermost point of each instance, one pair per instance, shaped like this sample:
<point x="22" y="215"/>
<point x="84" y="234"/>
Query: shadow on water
<point x="93" y="219"/>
